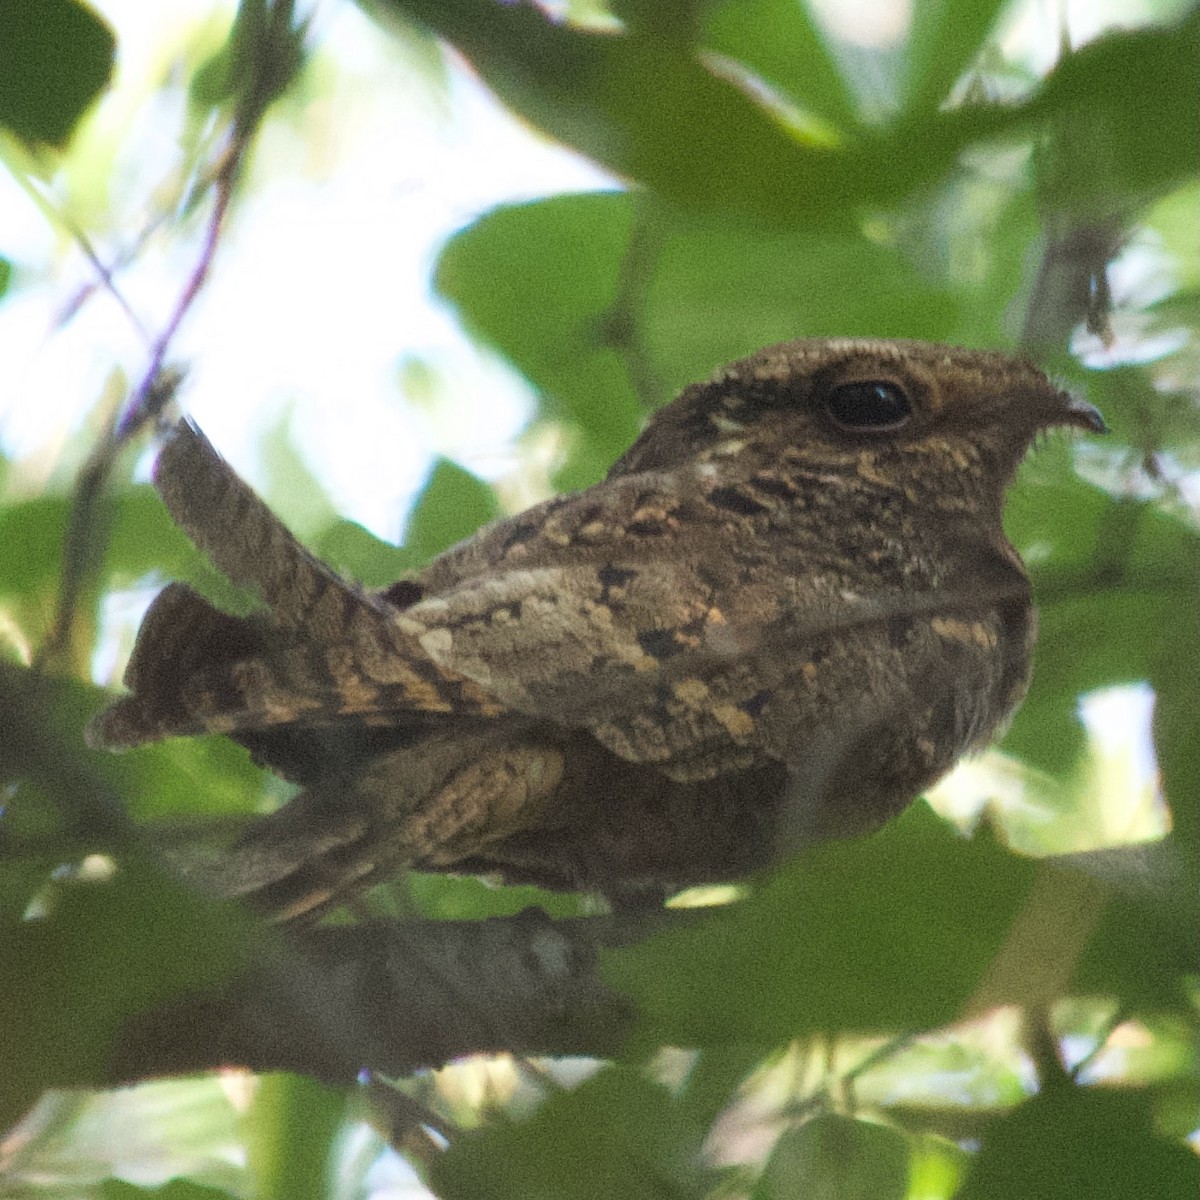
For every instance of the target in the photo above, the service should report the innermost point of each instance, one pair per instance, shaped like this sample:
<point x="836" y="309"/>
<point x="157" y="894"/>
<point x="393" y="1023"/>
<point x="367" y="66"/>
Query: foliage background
<point x="917" y="1015"/>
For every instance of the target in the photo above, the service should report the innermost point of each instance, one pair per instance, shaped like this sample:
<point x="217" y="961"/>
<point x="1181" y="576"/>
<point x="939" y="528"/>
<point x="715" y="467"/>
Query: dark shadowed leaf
<point x="1080" y="1142"/>
<point x="892" y="932"/>
<point x="648" y="109"/>
<point x="897" y="931"/>
<point x="55" y="57"/>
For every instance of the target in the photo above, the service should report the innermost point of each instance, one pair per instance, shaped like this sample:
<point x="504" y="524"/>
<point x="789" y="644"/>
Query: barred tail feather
<point x="240" y="535"/>
<point x="182" y="634"/>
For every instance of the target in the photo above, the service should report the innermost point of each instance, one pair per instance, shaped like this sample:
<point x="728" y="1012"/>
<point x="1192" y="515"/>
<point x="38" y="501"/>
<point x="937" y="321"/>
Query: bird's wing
<point x="667" y="663"/>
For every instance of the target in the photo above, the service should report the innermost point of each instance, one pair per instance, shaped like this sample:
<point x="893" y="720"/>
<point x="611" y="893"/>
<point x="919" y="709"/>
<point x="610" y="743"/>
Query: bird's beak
<point x="1081" y="414"/>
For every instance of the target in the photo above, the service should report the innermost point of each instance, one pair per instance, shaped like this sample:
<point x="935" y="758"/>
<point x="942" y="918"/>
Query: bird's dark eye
<point x="868" y="405"/>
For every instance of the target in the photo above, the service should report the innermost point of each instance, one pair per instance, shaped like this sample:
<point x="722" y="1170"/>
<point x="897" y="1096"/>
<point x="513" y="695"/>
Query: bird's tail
<point x="323" y="651"/>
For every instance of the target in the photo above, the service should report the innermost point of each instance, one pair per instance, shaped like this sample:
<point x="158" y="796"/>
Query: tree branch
<point x="395" y="997"/>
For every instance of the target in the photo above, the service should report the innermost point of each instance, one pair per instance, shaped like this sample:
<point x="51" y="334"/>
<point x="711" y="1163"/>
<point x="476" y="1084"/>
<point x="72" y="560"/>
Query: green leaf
<point x="463" y="897"/>
<point x="1115" y="586"/>
<point x="719" y="291"/>
<point x="358" y="554"/>
<point x="259" y="60"/>
<point x="293" y="1125"/>
<point x="1136" y="91"/>
<point x="836" y="1158"/>
<point x="615" y="1135"/>
<point x="707" y="292"/>
<point x="946" y="37"/>
<point x="647" y="109"/>
<point x="898" y="931"/>
<point x="31" y="533"/>
<point x="852" y="936"/>
<point x="55" y="57"/>
<point x="452" y="505"/>
<point x="1144" y="945"/>
<point x="1080" y="1142"/>
<point x="559" y="259"/>
<point x="105" y="952"/>
<point x="782" y="44"/>
<point x="290" y="479"/>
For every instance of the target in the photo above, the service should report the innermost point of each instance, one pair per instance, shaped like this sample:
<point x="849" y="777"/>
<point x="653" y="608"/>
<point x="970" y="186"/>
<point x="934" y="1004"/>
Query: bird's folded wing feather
<point x="690" y="666"/>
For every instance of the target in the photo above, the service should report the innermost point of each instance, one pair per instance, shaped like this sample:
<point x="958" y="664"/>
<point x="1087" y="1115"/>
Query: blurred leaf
<point x="667" y="18"/>
<point x="99" y="952"/>
<point x="719" y="292"/>
<point x="833" y="1157"/>
<point x="1080" y="1142"/>
<point x="536" y="281"/>
<point x="1118" y="604"/>
<point x="358" y="554"/>
<point x="1144" y="944"/>
<point x="290" y="478"/>
<point x="55" y="57"/>
<point x="781" y="42"/>
<point x="1132" y="96"/>
<point x="259" y="60"/>
<point x="644" y="107"/>
<point x="615" y="1135"/>
<point x="144" y="541"/>
<point x="189" y="778"/>
<point x="896" y="932"/>
<point x="463" y="897"/>
<point x="5" y="274"/>
<point x="196" y="777"/>
<point x="293" y="1124"/>
<point x="715" y="1076"/>
<point x="31" y="532"/>
<point x="452" y="505"/>
<point x="105" y="952"/>
<point x="888" y="933"/>
<point x="945" y="39"/>
<point x="711" y="292"/>
<point x="647" y="109"/>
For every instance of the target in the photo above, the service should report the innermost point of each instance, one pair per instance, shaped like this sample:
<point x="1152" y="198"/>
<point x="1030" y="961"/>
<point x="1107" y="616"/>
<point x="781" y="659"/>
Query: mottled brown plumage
<point x="788" y="609"/>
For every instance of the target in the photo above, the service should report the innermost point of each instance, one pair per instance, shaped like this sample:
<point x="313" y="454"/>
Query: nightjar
<point x="788" y="609"/>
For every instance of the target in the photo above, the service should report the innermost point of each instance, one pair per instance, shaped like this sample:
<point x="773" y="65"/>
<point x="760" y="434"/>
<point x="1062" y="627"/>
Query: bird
<point x="787" y="610"/>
